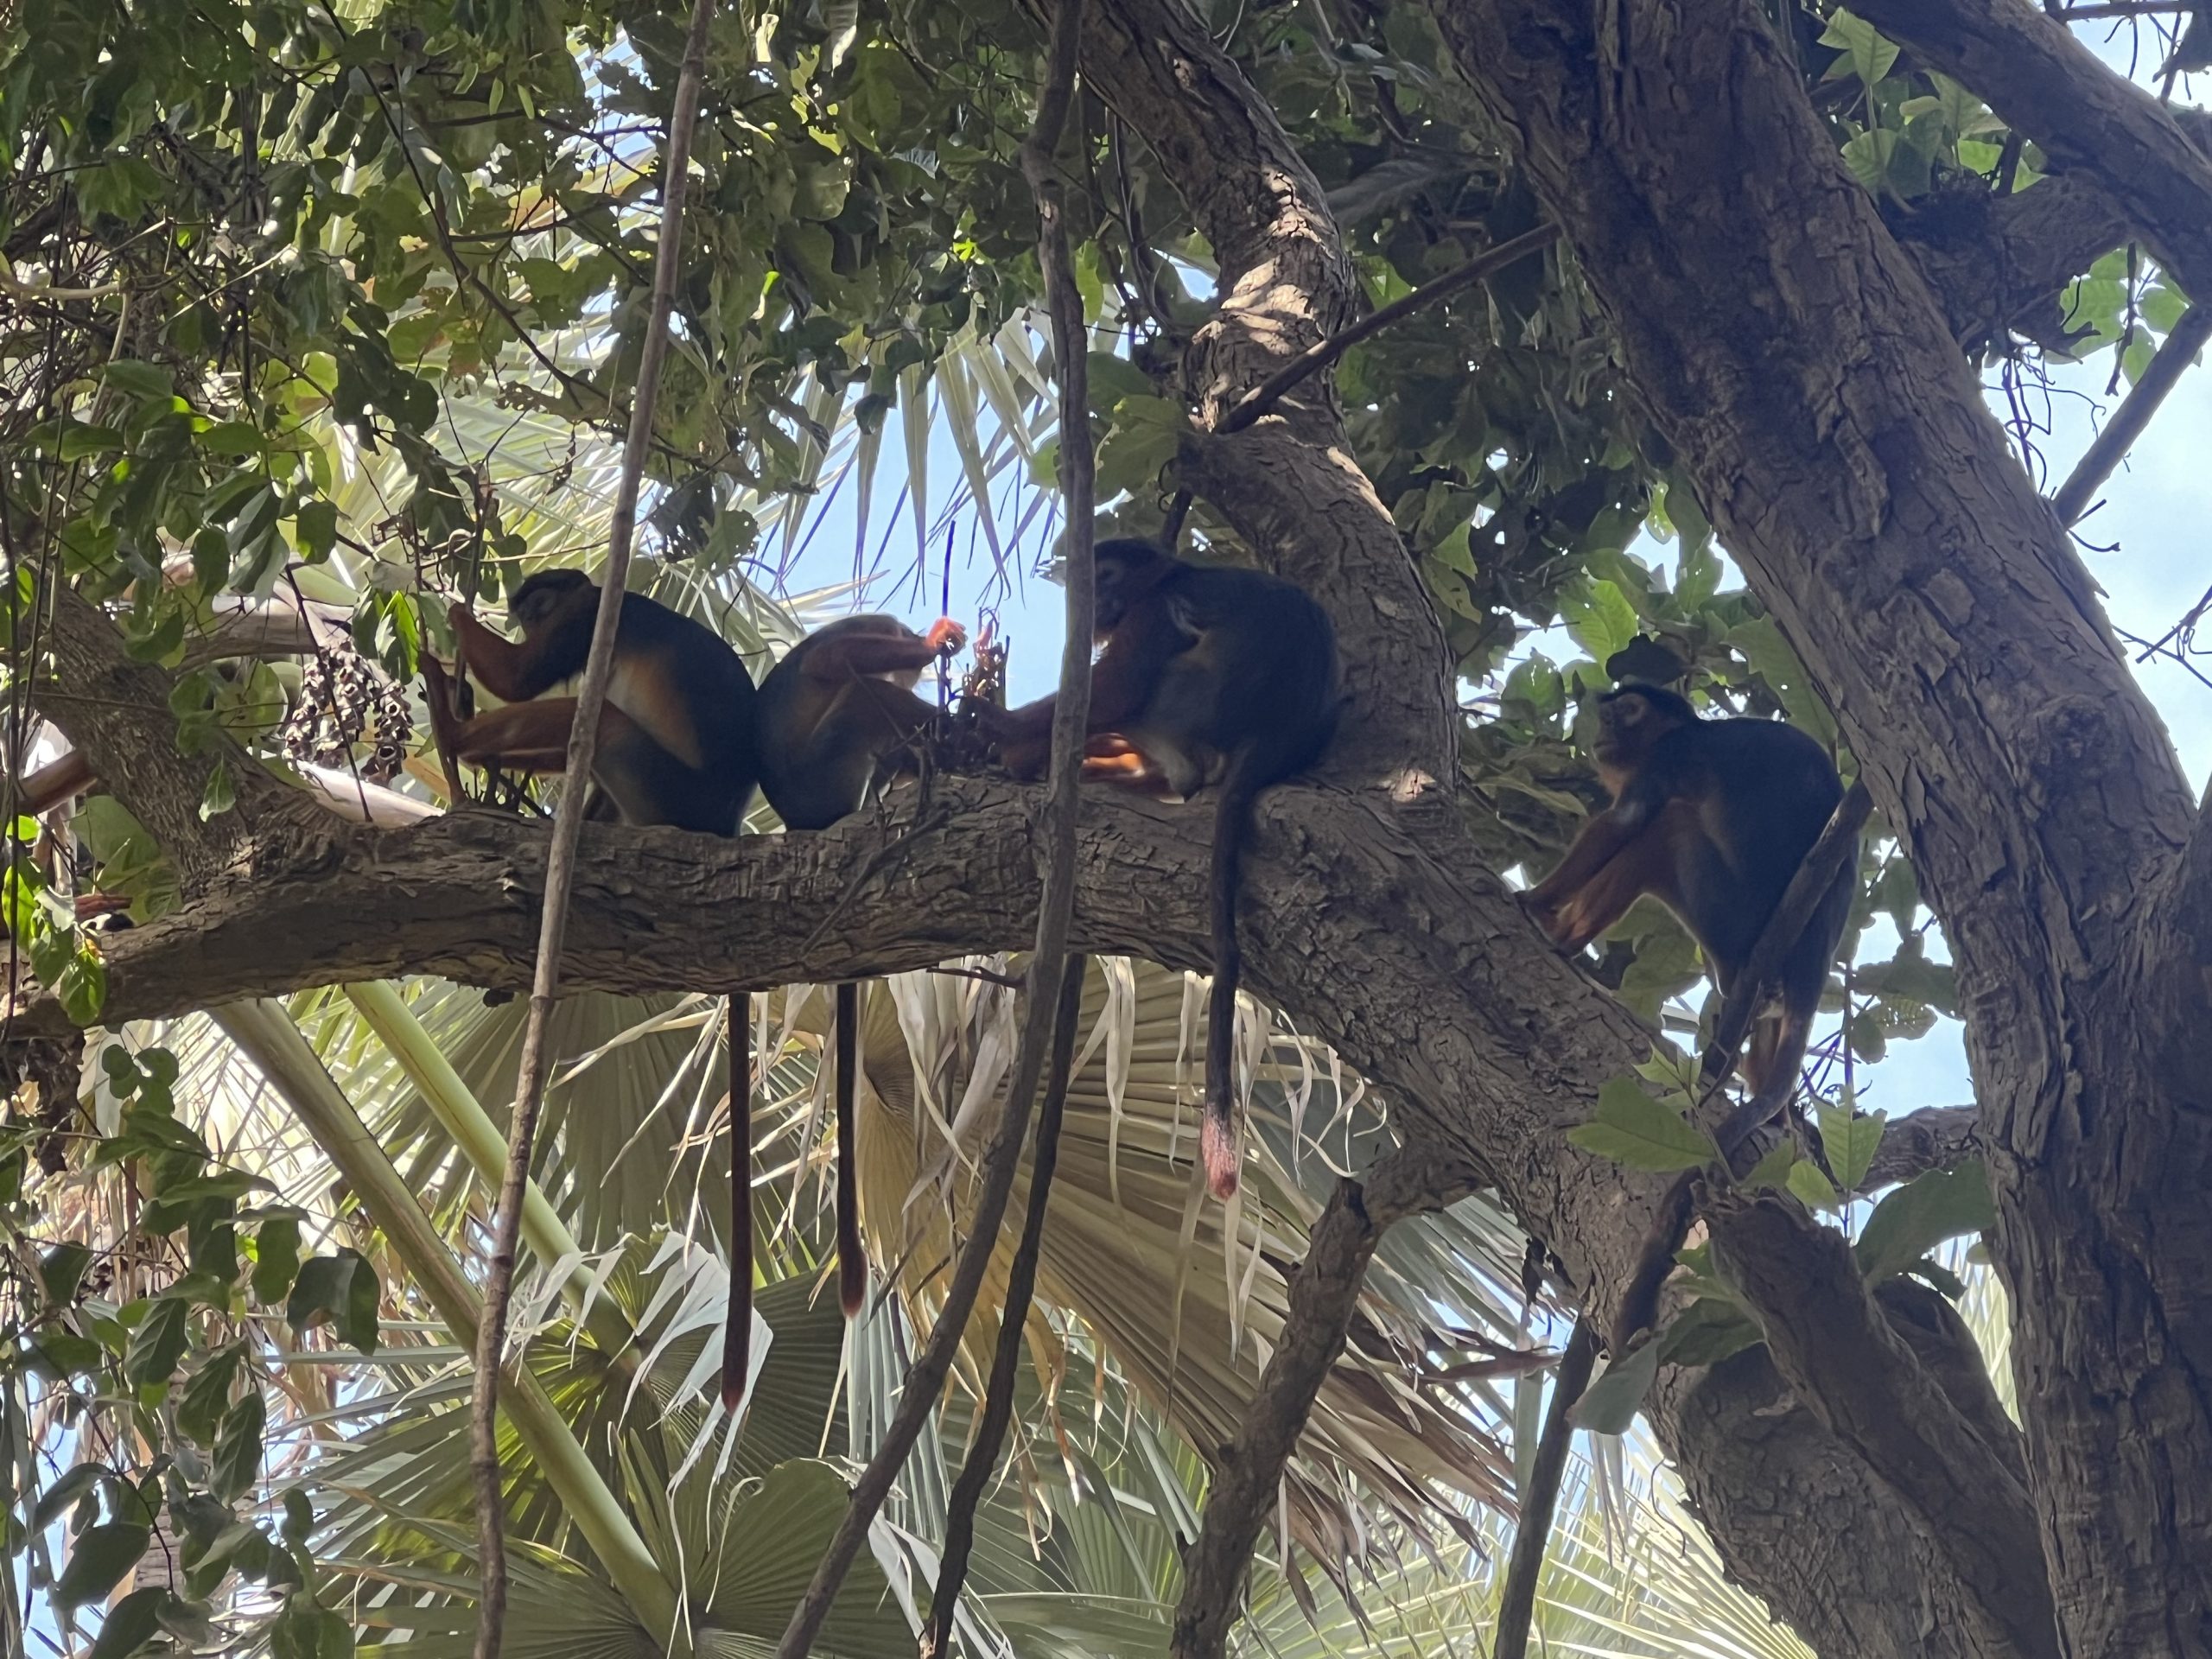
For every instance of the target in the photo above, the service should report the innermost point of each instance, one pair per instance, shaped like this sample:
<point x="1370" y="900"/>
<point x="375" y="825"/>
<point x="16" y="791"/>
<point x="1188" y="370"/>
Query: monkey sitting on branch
<point x="1713" y="818"/>
<point x="677" y="735"/>
<point x="1207" y="677"/>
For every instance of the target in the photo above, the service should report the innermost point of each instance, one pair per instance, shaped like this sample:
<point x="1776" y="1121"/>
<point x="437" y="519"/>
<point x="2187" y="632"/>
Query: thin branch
<point x="1056" y="908"/>
<point x="1248" y="1476"/>
<point x="1021" y="1285"/>
<point x="1516" y="1605"/>
<point x="2175" y="355"/>
<point x="560" y="868"/>
<point x="1313" y="360"/>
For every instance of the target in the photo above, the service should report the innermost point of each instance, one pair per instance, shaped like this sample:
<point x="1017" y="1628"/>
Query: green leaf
<point x="207" y="1398"/>
<point x="1812" y="1188"/>
<point x="1940" y="1205"/>
<point x="238" y="1448"/>
<point x="1865" y="53"/>
<point x="158" y="1343"/>
<point x="341" y="1288"/>
<point x="97" y="1561"/>
<point x="1774" y="1169"/>
<point x="1609" y="1405"/>
<point x="1708" y="1331"/>
<point x="62" y="1496"/>
<point x="1635" y="1130"/>
<point x="316" y="528"/>
<point x="233" y="438"/>
<point x="1848" y="1143"/>
<point x="130" y="1623"/>
<point x="61" y="1269"/>
<point x="1599" y="619"/>
<point x="276" y="1259"/>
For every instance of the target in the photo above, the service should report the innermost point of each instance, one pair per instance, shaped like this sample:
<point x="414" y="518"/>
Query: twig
<point x="560" y="863"/>
<point x="1315" y="359"/>
<point x="1249" y="1474"/>
<point x="1006" y="1360"/>
<point x="1516" y="1605"/>
<point x="1048" y="957"/>
<point x="2174" y="353"/>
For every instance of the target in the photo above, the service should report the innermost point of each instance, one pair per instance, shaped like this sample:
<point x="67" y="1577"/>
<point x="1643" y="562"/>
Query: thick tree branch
<point x="116" y="714"/>
<point x="1935" y="1137"/>
<point x="2092" y="124"/>
<point x="1861" y="1380"/>
<point x="1248" y="1475"/>
<point x="1991" y="259"/>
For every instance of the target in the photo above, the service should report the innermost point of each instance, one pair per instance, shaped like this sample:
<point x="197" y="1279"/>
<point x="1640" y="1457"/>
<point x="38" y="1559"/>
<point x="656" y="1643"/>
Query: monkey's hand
<point x="946" y="636"/>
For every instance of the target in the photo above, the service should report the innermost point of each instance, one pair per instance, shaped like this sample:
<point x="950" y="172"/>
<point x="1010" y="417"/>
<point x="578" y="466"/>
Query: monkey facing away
<point x="839" y="707"/>
<point x="677" y="737"/>
<point x="1208" y="675"/>
<point x="1712" y="817"/>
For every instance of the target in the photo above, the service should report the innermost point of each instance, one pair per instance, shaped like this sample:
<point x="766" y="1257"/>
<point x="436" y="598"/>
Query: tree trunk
<point x="1791" y="351"/>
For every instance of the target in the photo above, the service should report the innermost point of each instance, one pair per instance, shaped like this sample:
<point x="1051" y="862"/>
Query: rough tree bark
<point x="1793" y="352"/>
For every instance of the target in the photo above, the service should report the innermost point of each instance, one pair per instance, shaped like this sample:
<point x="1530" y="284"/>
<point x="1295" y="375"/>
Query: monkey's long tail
<point x="852" y="1261"/>
<point x="1217" y="1135"/>
<point x="737" y="1336"/>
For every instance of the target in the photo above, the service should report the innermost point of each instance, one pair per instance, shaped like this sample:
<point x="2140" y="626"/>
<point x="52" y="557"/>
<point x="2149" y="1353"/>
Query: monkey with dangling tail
<point x="1208" y="677"/>
<point x="677" y="746"/>
<point x="838" y="709"/>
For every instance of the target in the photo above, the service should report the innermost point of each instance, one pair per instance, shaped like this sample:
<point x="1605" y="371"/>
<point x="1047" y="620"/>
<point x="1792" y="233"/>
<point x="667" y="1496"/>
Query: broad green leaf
<point x="158" y="1343"/>
<point x="1865" y="53"/>
<point x="1609" y="1405"/>
<point x="1706" y="1332"/>
<point x="1941" y="1204"/>
<point x="130" y="1623"/>
<point x="1599" y="619"/>
<point x="238" y="1448"/>
<point x="207" y="1398"/>
<point x="99" y="1558"/>
<point x="1633" y="1129"/>
<point x="1812" y="1188"/>
<point x="276" y="1259"/>
<point x="63" y="1494"/>
<point x="1774" y="1169"/>
<point x="1849" y="1143"/>
<point x="341" y="1288"/>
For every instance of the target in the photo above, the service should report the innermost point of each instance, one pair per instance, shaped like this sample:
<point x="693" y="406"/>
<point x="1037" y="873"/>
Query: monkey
<point x="1713" y="818"/>
<point x="677" y="746"/>
<point x="677" y="737"/>
<point x="837" y="708"/>
<point x="1208" y="677"/>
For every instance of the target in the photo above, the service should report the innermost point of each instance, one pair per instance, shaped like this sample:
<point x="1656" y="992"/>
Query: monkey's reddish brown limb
<point x="1838" y="843"/>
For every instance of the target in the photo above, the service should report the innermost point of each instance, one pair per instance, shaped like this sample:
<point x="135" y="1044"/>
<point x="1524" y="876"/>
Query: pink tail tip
<point x="733" y="1397"/>
<point x="1217" y="1152"/>
<point x="852" y="1291"/>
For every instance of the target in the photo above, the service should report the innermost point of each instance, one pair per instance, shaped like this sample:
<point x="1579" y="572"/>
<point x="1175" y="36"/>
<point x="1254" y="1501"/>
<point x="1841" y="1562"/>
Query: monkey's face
<point x="543" y="595"/>
<point x="1124" y="572"/>
<point x="1629" y="723"/>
